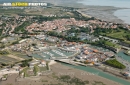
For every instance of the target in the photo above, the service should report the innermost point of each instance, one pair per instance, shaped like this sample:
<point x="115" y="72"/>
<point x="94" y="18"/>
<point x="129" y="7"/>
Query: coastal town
<point x="33" y="47"/>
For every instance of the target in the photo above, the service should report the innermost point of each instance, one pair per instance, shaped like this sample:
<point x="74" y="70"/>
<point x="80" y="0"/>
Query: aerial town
<point x="34" y="47"/>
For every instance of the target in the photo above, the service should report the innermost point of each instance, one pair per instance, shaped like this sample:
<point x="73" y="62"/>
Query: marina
<point x="55" y="54"/>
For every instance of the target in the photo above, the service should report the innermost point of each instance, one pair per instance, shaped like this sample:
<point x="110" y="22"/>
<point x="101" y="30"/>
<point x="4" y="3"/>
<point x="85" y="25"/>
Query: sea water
<point x="123" y="14"/>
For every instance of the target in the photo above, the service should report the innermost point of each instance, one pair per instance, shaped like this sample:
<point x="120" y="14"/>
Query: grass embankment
<point x="115" y="63"/>
<point x="35" y="70"/>
<point x="24" y="71"/>
<point x="110" y="44"/>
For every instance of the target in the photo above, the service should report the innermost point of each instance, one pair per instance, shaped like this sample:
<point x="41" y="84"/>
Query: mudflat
<point x="59" y="70"/>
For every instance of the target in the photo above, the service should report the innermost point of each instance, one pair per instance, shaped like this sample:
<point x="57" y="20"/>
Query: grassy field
<point x="59" y="11"/>
<point x="13" y="57"/>
<point x="11" y="11"/>
<point x="110" y="44"/>
<point x="47" y="11"/>
<point x="5" y="59"/>
<point x="8" y="60"/>
<point x="119" y="35"/>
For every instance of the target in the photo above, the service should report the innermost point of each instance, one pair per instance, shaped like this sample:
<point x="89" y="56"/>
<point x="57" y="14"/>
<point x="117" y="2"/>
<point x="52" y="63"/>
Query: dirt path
<point x="18" y="58"/>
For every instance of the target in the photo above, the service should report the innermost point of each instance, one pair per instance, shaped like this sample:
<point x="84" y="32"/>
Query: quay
<point x="66" y="61"/>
